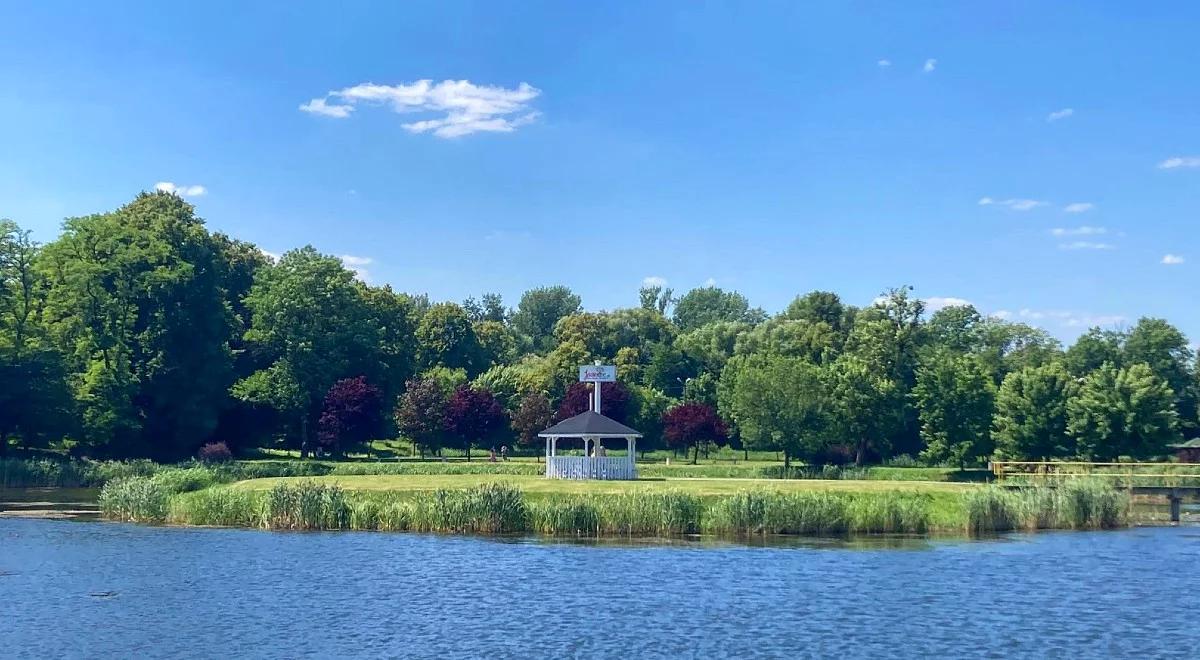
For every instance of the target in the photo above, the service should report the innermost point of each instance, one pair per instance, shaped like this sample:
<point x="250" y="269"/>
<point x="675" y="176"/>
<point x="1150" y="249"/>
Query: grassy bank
<point x="492" y="504"/>
<point x="47" y="473"/>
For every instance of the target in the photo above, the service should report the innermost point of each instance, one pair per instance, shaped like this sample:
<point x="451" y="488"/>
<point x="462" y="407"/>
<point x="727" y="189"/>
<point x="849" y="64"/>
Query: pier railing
<point x="1120" y="474"/>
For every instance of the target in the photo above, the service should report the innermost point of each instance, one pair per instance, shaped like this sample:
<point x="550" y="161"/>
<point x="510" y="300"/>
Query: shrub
<point x="215" y="452"/>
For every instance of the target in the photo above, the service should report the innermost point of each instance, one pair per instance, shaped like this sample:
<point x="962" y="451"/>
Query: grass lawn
<point x="537" y="485"/>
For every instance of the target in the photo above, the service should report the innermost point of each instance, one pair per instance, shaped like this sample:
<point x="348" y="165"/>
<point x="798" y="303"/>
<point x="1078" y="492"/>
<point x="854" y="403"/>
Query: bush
<point x="215" y="452"/>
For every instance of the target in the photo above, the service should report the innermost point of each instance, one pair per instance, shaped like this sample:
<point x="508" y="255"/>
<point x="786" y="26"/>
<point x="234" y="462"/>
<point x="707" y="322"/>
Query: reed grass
<point x="1073" y="504"/>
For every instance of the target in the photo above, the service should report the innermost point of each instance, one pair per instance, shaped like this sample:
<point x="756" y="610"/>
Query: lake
<point x="90" y="589"/>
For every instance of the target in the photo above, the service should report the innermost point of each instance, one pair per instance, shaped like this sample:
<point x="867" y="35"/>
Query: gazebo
<point x="592" y="428"/>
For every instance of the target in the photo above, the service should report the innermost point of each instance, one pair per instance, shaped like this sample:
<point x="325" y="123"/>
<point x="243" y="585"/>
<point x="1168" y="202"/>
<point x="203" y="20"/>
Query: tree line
<point x="140" y="333"/>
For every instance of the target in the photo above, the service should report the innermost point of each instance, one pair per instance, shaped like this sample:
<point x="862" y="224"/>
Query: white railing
<point x="590" y="467"/>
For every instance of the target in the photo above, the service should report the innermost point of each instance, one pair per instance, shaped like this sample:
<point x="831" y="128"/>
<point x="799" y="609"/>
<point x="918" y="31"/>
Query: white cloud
<point x="884" y="63"/>
<point x="1078" y="231"/>
<point x="358" y="265"/>
<point x="273" y="256"/>
<point x="1086" y="245"/>
<point x="1079" y="207"/>
<point x="1012" y="204"/>
<point x="1179" y="161"/>
<point x="1060" y="114"/>
<point x="321" y="107"/>
<point x="710" y="282"/>
<point x="930" y="65"/>
<point x="182" y="191"/>
<point x="1172" y="260"/>
<point x="464" y="107"/>
<point x="1002" y="314"/>
<point x="654" y="280"/>
<point x="934" y="303"/>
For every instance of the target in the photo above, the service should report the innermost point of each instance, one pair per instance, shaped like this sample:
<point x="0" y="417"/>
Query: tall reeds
<point x="1071" y="504"/>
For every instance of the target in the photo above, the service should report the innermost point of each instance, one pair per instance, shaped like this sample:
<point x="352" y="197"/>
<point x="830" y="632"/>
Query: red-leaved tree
<point x="474" y="417"/>
<point x="532" y="416"/>
<point x="690" y="425"/>
<point x="351" y="415"/>
<point x="421" y="414"/>
<point x="614" y="401"/>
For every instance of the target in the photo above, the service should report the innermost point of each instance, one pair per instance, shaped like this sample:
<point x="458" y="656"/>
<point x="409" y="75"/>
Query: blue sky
<point x="772" y="148"/>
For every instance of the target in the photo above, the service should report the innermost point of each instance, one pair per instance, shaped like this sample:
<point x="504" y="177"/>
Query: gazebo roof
<point x="1194" y="443"/>
<point x="587" y="424"/>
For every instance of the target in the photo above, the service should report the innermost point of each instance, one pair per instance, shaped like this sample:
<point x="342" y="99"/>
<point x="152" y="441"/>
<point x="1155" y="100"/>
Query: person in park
<point x="504" y="452"/>
<point x="492" y="455"/>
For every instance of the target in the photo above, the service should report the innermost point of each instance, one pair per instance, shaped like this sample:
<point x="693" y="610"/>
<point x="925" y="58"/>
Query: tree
<point x="614" y="401"/>
<point x="136" y="304"/>
<point x="702" y="306"/>
<point x="1125" y="411"/>
<point x="1030" y="422"/>
<point x="712" y="345"/>
<point x="311" y="320"/>
<point x="648" y="406"/>
<point x="656" y="298"/>
<point x="669" y="369"/>
<point x="421" y="415"/>
<point x="1094" y="349"/>
<point x="35" y="399"/>
<point x="956" y="328"/>
<point x="445" y="337"/>
<point x="691" y="425"/>
<point x="778" y="403"/>
<point x="818" y="307"/>
<point x="815" y="342"/>
<point x="866" y="406"/>
<point x="954" y="397"/>
<point x="490" y="308"/>
<point x="474" y="417"/>
<point x="1163" y="348"/>
<point x="497" y="345"/>
<point x="533" y="415"/>
<point x="351" y="415"/>
<point x="539" y="310"/>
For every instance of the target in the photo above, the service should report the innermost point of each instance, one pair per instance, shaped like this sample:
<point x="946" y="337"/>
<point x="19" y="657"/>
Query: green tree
<point x="35" y="400"/>
<point x="819" y="307"/>
<point x="136" y="302"/>
<point x="954" y="397"/>
<point x="311" y="319"/>
<point x="866" y="406"/>
<point x="957" y="328"/>
<point x="539" y="310"/>
<point x="445" y="337"/>
<point x="1127" y="411"/>
<point x="712" y="345"/>
<point x="816" y="342"/>
<point x="702" y="306"/>
<point x="1162" y="347"/>
<point x="778" y="404"/>
<point x="1094" y="349"/>
<point x="489" y="308"/>
<point x="1031" y="414"/>
<point x="656" y="298"/>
